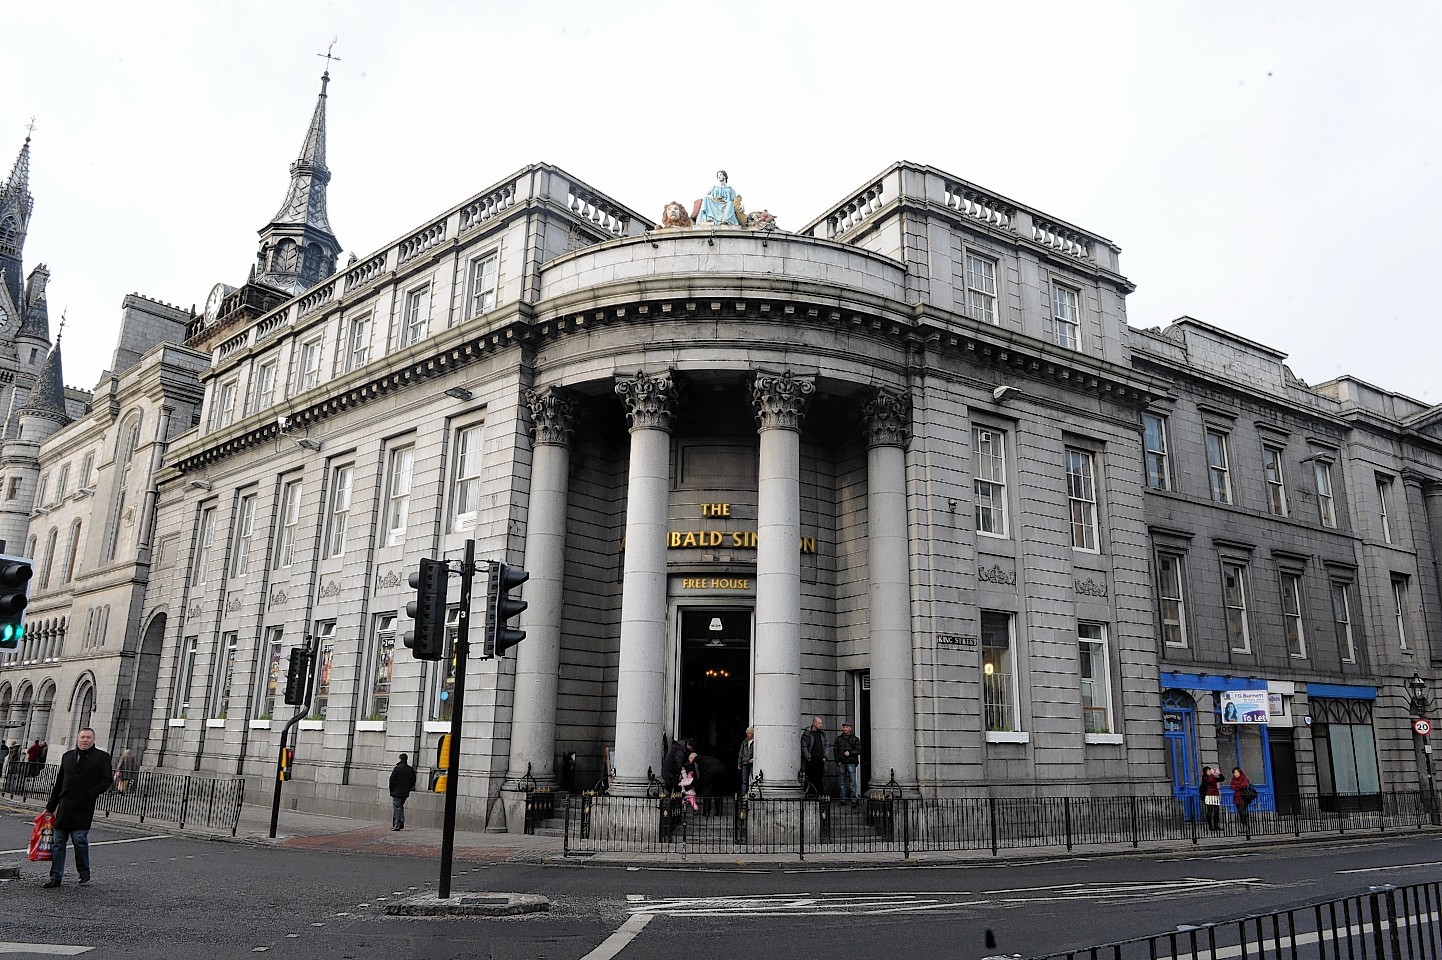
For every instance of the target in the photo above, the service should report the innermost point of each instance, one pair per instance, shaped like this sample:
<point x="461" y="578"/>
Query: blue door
<point x="1179" y="727"/>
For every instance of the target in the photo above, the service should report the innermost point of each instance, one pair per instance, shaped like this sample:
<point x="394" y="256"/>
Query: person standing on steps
<point x="847" y="752"/>
<point x="84" y="775"/>
<point x="403" y="781"/>
<point x="814" y="748"/>
<point x="746" y="760"/>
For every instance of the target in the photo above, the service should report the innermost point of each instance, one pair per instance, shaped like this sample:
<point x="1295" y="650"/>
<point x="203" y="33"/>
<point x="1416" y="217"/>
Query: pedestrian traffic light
<point x="427" y="636"/>
<point x="500" y="607"/>
<point x="15" y="573"/>
<point x="295" y="676"/>
<point x="287" y="763"/>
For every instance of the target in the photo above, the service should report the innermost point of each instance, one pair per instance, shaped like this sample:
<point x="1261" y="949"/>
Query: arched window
<point x="49" y="560"/>
<point x="72" y="551"/>
<point x="125" y="449"/>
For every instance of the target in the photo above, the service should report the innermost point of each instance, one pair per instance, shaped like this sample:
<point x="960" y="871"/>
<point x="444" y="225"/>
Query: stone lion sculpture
<point x="675" y="215"/>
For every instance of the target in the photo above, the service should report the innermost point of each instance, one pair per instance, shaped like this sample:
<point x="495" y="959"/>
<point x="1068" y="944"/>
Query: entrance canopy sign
<point x="1244" y="706"/>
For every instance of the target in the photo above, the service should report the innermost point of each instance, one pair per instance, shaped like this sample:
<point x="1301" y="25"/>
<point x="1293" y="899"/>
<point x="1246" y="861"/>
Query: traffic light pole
<point x="280" y="765"/>
<point x="453" y="774"/>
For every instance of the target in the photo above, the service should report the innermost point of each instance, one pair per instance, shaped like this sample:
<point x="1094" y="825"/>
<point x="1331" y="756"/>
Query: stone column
<point x="780" y="402"/>
<point x="892" y="733"/>
<point x="533" y="717"/>
<point x="1427" y="539"/>
<point x="650" y="401"/>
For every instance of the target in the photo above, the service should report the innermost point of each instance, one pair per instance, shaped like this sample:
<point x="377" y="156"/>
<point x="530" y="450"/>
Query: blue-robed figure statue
<point x="718" y="206"/>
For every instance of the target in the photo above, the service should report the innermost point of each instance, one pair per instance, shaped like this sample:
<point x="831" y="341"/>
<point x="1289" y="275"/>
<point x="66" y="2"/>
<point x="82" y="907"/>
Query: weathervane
<point x="327" y="56"/>
<point x="29" y="128"/>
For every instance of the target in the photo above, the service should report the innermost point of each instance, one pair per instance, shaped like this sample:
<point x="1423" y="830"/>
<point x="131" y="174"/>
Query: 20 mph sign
<point x="1421" y="727"/>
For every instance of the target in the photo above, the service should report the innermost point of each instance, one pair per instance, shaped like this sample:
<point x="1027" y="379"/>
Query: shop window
<point x="1345" y="750"/>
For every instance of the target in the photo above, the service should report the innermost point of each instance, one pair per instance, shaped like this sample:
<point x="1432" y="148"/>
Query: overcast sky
<point x="1267" y="168"/>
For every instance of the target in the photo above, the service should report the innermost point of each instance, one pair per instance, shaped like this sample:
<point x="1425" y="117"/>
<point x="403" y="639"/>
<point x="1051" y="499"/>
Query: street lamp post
<point x="1420" y="705"/>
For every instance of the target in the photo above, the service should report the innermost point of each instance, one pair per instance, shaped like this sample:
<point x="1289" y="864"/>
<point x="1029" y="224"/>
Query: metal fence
<point x="600" y="823"/>
<point x="167" y="797"/>
<point x="1386" y="923"/>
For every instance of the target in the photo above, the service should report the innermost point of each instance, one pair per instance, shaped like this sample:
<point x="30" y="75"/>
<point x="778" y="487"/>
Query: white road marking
<point x="617" y="941"/>
<point x="1395" y="866"/>
<point x="44" y="949"/>
<point x="105" y="843"/>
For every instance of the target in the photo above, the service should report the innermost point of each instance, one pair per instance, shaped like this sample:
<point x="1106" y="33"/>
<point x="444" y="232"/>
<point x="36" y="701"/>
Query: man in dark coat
<point x="671" y="765"/>
<point x="403" y="781"/>
<point x="84" y="775"/>
<point x="711" y="775"/>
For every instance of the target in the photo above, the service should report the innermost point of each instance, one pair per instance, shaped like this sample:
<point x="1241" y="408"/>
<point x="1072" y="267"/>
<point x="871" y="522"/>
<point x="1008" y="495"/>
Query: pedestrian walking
<point x="84" y="775"/>
<point x="14" y="766"/>
<point x="33" y="759"/>
<point x="746" y="760"/>
<point x="125" y="771"/>
<point x="814" y="750"/>
<point x="847" y="752"/>
<point x="1243" y="793"/>
<point x="403" y="781"/>
<point x="1211" y="793"/>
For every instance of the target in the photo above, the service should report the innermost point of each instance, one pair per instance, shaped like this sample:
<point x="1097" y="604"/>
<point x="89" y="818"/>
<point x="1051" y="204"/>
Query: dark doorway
<point x="716" y="683"/>
<point x="863" y="726"/>
<point x="1284" y="774"/>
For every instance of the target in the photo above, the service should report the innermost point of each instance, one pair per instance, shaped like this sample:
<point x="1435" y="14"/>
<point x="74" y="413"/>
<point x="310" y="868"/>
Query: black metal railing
<point x="885" y="822"/>
<point x="1386" y="923"/>
<point x="213" y="803"/>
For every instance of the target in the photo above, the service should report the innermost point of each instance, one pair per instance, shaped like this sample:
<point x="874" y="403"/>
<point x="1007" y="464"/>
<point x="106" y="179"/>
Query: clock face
<point x="212" y="303"/>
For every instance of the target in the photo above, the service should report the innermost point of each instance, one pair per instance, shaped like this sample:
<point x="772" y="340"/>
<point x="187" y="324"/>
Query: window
<point x="1081" y="498"/>
<point x="40" y="489"/>
<point x="185" y="670"/>
<point x="1065" y="316"/>
<point x="1218" y="470"/>
<point x="325" y="643"/>
<point x="308" y="365"/>
<point x="339" y="509"/>
<point x="1276" y="479"/>
<point x="263" y="396"/>
<point x="443" y="672"/>
<point x="998" y="664"/>
<point x="205" y="540"/>
<point x="269" y="674"/>
<point x="87" y="470"/>
<point x="289" y="524"/>
<point x="981" y="288"/>
<point x="72" y="552"/>
<point x="417" y="316"/>
<point x="466" y="491"/>
<point x="49" y="560"/>
<point x="224" y="413"/>
<point x="1344" y="746"/>
<point x="1234" y="598"/>
<point x="398" y="495"/>
<point x="1342" y="616"/>
<point x="1326" y="508"/>
<point x="483" y="284"/>
<point x="358" y="342"/>
<point x="12" y="489"/>
<point x="383" y="660"/>
<point x="1399" y="598"/>
<point x="224" y="666"/>
<point x="62" y="484"/>
<point x="1292" y="615"/>
<point x="1096" y="697"/>
<point x="1154" y="443"/>
<point x="988" y="463"/>
<point x="244" y="527"/>
<point x="1384" y="502"/>
<point x="1173" y="602"/>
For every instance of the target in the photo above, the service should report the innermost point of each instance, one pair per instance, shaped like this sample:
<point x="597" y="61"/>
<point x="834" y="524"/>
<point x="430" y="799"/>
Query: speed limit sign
<point x="1421" y="726"/>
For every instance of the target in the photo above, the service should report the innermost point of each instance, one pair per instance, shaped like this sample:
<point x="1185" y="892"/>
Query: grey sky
<point x="1269" y="169"/>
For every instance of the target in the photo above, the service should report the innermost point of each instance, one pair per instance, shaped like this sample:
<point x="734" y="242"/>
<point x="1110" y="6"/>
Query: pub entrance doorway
<point x="715" y="688"/>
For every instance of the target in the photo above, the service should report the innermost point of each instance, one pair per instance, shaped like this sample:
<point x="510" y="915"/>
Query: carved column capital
<point x="651" y="399"/>
<point x="553" y="414"/>
<point x="887" y="417"/>
<point x="781" y="399"/>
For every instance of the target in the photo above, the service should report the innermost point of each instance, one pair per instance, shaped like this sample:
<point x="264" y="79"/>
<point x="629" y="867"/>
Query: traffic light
<point x="287" y="763"/>
<point x="500" y="607"/>
<point x="15" y="573"/>
<point x="427" y="636"/>
<point x="295" y="676"/>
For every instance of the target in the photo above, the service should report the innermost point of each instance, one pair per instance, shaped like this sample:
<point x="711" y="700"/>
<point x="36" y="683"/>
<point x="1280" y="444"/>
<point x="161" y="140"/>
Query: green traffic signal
<point x="15" y="573"/>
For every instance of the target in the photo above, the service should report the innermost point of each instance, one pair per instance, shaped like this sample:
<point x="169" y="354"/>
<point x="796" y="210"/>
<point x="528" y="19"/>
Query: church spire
<point x="15" y="207"/>
<point x="47" y="397"/>
<point x="298" y="248"/>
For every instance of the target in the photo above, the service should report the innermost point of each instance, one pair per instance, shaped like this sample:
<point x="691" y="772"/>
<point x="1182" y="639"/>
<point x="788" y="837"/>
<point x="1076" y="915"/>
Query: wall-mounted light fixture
<point x="459" y="393"/>
<point x="306" y="443"/>
<point x="1002" y="393"/>
<point x="200" y="485"/>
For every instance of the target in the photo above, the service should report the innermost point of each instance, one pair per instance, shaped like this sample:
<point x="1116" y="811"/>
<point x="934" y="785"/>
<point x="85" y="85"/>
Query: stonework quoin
<point x="887" y="417"/>
<point x="553" y="415"/>
<point x="650" y="399"/>
<point x="780" y="400"/>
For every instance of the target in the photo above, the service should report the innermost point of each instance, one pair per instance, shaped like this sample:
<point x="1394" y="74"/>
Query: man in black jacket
<point x="84" y="775"/>
<point x="403" y="781"/>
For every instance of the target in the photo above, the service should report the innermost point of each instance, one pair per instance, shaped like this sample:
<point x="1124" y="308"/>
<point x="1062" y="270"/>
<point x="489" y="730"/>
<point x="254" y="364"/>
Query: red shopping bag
<point x="42" y="838"/>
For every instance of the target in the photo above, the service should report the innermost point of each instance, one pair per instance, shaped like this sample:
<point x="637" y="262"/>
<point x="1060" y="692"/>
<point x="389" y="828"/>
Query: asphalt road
<point x="163" y="896"/>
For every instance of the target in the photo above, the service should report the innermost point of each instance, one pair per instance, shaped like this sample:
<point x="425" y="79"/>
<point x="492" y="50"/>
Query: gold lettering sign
<point x="736" y="539"/>
<point x="715" y="583"/>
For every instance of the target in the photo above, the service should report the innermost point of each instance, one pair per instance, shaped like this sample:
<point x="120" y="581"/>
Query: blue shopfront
<point x="1344" y="746"/>
<point x="1193" y="701"/>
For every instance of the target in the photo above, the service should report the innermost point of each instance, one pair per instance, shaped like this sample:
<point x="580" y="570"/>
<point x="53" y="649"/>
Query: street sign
<point x="1421" y="727"/>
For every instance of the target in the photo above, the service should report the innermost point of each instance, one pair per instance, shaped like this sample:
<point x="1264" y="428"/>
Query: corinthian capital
<point x="887" y="416"/>
<point x="553" y="413"/>
<point x="650" y="398"/>
<point x="780" y="399"/>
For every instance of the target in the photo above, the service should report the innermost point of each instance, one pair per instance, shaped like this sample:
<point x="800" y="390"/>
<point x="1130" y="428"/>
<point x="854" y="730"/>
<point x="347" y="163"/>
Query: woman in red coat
<point x="1212" y="797"/>
<point x="1241" y="792"/>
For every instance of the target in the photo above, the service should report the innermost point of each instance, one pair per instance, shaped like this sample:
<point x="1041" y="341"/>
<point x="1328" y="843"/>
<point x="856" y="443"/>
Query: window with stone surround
<point x="263" y="396"/>
<point x="1154" y="443"/>
<point x="289" y="524"/>
<point x="466" y="479"/>
<point x="1066" y="316"/>
<point x="1326" y="505"/>
<point x="1274" y="473"/>
<point x="224" y="667"/>
<point x="268" y="674"/>
<point x="1292" y="624"/>
<point x="358" y="342"/>
<point x="482" y="283"/>
<point x="223" y="413"/>
<point x="325" y="656"/>
<point x="998" y="672"/>
<point x="1095" y="683"/>
<point x="443" y="671"/>
<point x="1342" y="621"/>
<point x="184" y="673"/>
<point x="1234" y="600"/>
<point x="241" y="534"/>
<point x="398" y="493"/>
<point x="1171" y="592"/>
<point x="1401" y="589"/>
<point x="1082" y="498"/>
<point x="417" y="317"/>
<point x="205" y="542"/>
<point x="382" y="663"/>
<point x="1219" y="471"/>
<point x="988" y="464"/>
<point x="62" y="483"/>
<point x="981" y="288"/>
<point x="342" y="479"/>
<point x="308" y="365"/>
<point x="1384" y="506"/>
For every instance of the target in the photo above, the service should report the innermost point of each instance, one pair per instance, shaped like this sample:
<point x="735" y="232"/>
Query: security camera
<point x="282" y="422"/>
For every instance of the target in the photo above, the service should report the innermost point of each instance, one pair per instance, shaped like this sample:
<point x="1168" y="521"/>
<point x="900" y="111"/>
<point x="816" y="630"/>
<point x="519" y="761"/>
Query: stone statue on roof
<point x="718" y="206"/>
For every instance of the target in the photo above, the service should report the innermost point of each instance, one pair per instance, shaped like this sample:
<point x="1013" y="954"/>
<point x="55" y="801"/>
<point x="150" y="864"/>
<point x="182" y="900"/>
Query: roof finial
<point x="29" y="128"/>
<point x="325" y="77"/>
<point x="61" y="332"/>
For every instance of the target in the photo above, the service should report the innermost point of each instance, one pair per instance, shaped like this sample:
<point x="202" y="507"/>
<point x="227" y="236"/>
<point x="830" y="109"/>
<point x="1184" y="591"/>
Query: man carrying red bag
<point x="84" y="775"/>
<point x="42" y="838"/>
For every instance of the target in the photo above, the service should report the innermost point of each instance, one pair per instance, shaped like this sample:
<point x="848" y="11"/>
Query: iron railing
<point x="668" y="824"/>
<point x="213" y="803"/>
<point x="1386" y="923"/>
